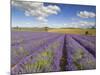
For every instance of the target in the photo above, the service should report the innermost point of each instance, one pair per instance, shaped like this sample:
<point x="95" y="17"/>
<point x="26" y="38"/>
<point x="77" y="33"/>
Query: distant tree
<point x="46" y="28"/>
<point x="93" y="27"/>
<point x="16" y="27"/>
<point x="86" y="33"/>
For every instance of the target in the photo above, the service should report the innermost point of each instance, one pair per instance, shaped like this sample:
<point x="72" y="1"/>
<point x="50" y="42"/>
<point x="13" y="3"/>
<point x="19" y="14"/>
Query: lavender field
<point x="33" y="52"/>
<point x="52" y="37"/>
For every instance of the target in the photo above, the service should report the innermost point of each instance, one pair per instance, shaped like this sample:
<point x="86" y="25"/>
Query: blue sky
<point x="66" y="17"/>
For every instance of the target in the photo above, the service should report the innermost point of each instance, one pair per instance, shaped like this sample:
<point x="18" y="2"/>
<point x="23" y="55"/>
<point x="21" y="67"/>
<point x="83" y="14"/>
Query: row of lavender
<point x="37" y="53"/>
<point x="79" y="56"/>
<point x="47" y="52"/>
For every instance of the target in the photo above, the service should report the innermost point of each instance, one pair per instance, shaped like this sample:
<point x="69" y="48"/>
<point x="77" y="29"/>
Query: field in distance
<point x="59" y="30"/>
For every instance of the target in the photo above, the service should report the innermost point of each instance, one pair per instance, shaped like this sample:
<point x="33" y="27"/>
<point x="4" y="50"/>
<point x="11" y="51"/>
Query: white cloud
<point x="27" y="13"/>
<point x="77" y="24"/>
<point x="86" y="14"/>
<point x="41" y="19"/>
<point x="81" y="24"/>
<point x="38" y="10"/>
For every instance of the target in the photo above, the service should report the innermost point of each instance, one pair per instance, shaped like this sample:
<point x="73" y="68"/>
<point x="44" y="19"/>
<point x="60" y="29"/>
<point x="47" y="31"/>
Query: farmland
<point x="73" y="31"/>
<point x="33" y="51"/>
<point x="59" y="30"/>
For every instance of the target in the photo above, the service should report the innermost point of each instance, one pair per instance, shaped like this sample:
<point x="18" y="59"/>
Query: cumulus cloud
<point x="86" y="14"/>
<point x="81" y="24"/>
<point x="73" y="24"/>
<point x="37" y="9"/>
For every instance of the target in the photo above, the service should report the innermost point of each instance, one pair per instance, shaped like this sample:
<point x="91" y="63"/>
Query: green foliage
<point x="79" y="66"/>
<point x="78" y="55"/>
<point x="44" y="60"/>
